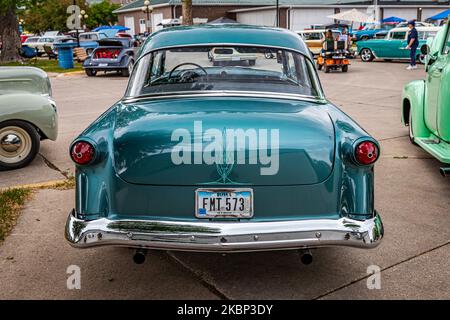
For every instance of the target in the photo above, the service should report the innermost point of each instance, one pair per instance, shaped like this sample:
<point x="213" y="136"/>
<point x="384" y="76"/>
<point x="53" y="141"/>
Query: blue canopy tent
<point x="392" y="19"/>
<point x="440" y="16"/>
<point x="110" y="31"/>
<point x="118" y="28"/>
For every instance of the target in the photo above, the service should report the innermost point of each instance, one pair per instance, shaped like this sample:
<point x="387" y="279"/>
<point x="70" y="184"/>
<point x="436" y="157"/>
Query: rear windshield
<point x="230" y="68"/>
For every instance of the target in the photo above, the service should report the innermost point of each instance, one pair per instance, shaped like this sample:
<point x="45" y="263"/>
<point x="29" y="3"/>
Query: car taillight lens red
<point x="366" y="152"/>
<point x="107" y="53"/>
<point x="82" y="152"/>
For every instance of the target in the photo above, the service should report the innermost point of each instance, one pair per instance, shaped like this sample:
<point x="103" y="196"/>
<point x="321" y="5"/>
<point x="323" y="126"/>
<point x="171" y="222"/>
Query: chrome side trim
<point x="224" y="236"/>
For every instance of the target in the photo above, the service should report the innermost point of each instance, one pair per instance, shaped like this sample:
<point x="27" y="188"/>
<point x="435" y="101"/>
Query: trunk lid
<point x="214" y="141"/>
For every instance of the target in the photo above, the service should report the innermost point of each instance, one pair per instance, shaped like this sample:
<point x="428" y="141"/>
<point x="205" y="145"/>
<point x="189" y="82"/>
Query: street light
<point x="82" y="16"/>
<point x="147" y="8"/>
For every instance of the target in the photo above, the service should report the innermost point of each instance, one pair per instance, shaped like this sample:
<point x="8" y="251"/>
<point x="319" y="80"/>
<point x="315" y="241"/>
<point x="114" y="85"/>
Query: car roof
<point x="317" y="31"/>
<point x="401" y="29"/>
<point x="220" y="34"/>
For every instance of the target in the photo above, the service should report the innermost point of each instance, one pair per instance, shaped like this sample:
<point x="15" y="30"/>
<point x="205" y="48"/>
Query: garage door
<point x="260" y="18"/>
<point x="129" y="23"/>
<point x="405" y="13"/>
<point x="304" y="18"/>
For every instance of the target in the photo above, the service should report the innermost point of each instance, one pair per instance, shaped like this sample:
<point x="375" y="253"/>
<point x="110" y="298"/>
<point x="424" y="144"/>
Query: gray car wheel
<point x="19" y="144"/>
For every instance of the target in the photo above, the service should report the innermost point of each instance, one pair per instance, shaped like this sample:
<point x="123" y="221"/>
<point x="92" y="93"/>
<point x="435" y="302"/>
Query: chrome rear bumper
<point x="224" y="236"/>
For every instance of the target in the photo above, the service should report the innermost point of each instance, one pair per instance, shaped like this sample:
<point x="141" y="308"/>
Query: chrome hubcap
<point x="366" y="55"/>
<point x="15" y="144"/>
<point x="10" y="143"/>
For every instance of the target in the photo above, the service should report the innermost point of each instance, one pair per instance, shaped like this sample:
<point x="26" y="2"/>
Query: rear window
<point x="223" y="51"/>
<point x="195" y="69"/>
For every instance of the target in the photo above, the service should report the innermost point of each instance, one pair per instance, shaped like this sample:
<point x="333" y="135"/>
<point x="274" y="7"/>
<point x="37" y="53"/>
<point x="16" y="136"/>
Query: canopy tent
<point x="392" y="19"/>
<point x="440" y="16"/>
<point x="352" y="16"/>
<point x="118" y="28"/>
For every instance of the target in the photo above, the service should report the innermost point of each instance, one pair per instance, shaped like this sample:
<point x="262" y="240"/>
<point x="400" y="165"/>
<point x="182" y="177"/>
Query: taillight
<point x="107" y="53"/>
<point x="366" y="152"/>
<point x="82" y="152"/>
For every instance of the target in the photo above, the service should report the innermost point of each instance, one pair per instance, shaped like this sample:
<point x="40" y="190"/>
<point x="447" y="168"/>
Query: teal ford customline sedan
<point x="27" y="115"/>
<point x="393" y="46"/>
<point x="236" y="157"/>
<point x="426" y="103"/>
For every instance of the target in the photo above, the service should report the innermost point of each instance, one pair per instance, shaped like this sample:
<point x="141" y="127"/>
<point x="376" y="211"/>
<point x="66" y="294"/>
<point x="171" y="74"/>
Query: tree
<point x="48" y="15"/>
<point x="9" y="31"/>
<point x="101" y="14"/>
<point x="186" y="6"/>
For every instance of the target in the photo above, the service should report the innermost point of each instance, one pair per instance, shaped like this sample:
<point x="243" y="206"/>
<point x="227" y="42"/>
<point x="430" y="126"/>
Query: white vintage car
<point x="231" y="55"/>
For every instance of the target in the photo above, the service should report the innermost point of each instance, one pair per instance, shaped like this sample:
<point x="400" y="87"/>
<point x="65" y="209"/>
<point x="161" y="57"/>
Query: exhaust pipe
<point x="445" y="172"/>
<point x="306" y="256"/>
<point x="139" y="256"/>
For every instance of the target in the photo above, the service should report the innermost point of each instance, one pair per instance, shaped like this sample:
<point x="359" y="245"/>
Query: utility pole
<point x="376" y="10"/>
<point x="278" y="14"/>
<point x="76" y="26"/>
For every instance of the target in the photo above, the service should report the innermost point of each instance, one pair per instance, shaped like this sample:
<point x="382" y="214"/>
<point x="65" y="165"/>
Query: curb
<point x="38" y="185"/>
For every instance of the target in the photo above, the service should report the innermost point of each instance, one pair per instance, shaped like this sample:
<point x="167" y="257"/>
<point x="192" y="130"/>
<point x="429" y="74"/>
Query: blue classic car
<point x="112" y="54"/>
<point x="371" y="31"/>
<point x="393" y="46"/>
<point x="236" y="157"/>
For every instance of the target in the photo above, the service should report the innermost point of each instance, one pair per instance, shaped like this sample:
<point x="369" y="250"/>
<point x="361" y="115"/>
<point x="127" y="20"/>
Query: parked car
<point x="314" y="39"/>
<point x="394" y="45"/>
<point x="46" y="41"/>
<point x="112" y="54"/>
<point x="418" y="24"/>
<point x="24" y="37"/>
<point x="371" y="31"/>
<point x="27" y="115"/>
<point x="227" y="158"/>
<point x="227" y="55"/>
<point x="32" y="42"/>
<point x="426" y="103"/>
<point x="89" y="40"/>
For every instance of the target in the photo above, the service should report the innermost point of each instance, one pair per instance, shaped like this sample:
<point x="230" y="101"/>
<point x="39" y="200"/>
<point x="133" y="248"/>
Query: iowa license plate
<point x="224" y="203"/>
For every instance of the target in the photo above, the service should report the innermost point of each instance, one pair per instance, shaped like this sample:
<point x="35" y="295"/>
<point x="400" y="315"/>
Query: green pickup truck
<point x="426" y="103"/>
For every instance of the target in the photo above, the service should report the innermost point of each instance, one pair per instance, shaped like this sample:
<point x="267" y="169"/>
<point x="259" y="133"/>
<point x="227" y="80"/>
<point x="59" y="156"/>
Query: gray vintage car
<point x="27" y="115"/>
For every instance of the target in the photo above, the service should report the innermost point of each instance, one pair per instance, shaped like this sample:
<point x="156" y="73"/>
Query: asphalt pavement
<point x="411" y="196"/>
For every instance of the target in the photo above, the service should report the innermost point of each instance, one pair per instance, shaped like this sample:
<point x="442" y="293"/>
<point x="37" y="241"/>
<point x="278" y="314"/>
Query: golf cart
<point x="333" y="56"/>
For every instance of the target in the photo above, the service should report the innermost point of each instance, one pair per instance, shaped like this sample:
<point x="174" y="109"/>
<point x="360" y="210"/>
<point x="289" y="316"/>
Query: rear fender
<point x="413" y="102"/>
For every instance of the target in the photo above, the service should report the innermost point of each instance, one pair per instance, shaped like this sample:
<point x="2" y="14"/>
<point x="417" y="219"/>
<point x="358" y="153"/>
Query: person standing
<point x="413" y="43"/>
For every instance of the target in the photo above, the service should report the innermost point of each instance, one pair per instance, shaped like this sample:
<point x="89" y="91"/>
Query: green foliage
<point x="47" y="15"/>
<point x="101" y="14"/>
<point x="44" y="15"/>
<point x="11" y="201"/>
<point x="45" y="64"/>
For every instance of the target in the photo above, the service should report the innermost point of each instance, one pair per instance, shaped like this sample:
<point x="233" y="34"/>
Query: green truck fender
<point x="413" y="104"/>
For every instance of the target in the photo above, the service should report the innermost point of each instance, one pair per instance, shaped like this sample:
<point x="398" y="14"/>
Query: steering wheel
<point x="184" y="64"/>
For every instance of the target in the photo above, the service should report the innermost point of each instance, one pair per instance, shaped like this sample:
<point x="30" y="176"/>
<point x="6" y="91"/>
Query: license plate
<point x="102" y="64"/>
<point x="224" y="203"/>
<point x="235" y="58"/>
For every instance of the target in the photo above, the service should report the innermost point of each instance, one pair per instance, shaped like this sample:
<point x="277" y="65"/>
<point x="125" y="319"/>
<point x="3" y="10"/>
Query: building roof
<point x="138" y="4"/>
<point x="224" y="34"/>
